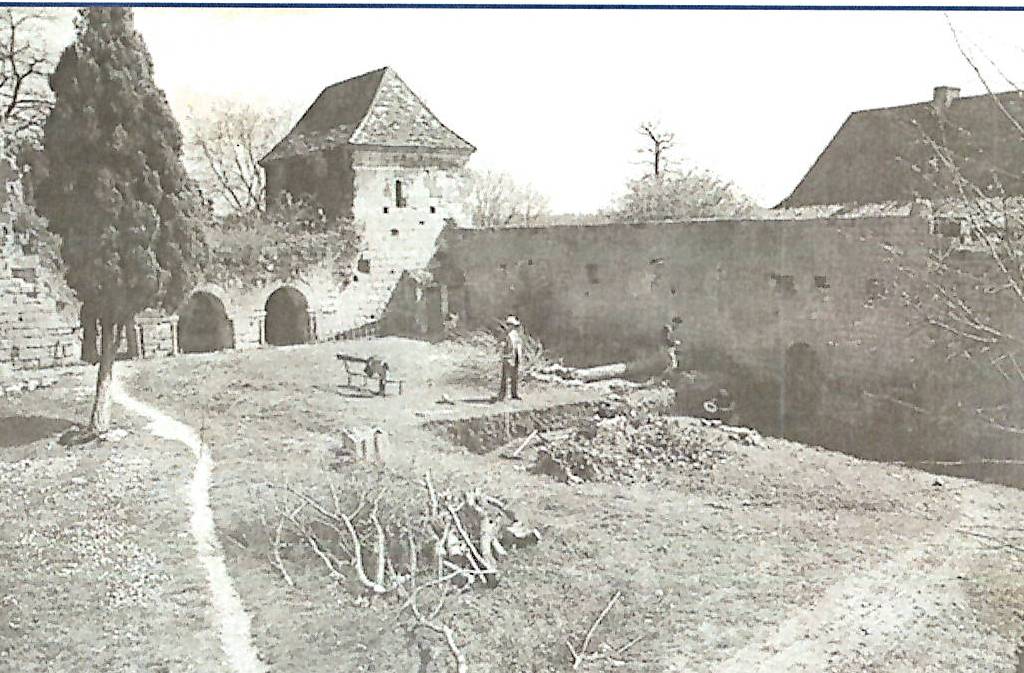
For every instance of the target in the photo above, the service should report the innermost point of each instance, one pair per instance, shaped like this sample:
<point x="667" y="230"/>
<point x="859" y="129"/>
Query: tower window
<point x="400" y="201"/>
<point x="433" y="209"/>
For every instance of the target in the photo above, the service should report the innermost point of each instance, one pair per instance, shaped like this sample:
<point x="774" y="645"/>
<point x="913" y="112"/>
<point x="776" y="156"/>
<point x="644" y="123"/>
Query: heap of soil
<point x="628" y="445"/>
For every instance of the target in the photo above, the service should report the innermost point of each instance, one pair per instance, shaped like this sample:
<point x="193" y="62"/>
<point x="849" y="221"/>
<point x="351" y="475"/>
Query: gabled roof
<point x="888" y="154"/>
<point x="375" y="109"/>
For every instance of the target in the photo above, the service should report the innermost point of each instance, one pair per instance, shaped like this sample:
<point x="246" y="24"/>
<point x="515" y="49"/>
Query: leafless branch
<point x="225" y="143"/>
<point x="578" y="656"/>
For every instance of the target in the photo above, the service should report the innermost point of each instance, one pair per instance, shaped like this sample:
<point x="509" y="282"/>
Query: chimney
<point x="944" y="97"/>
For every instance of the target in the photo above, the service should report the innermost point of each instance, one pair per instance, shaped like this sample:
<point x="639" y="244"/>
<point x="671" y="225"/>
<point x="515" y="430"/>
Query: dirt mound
<point x="627" y="444"/>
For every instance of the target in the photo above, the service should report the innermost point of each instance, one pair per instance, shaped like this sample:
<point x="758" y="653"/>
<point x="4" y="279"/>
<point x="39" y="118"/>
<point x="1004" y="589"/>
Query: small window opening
<point x="363" y="265"/>
<point x="385" y="210"/>
<point x="400" y="200"/>
<point x="592" y="276"/>
<point x="394" y="232"/>
<point x="529" y="262"/>
<point x="785" y="284"/>
<point x="433" y="210"/>
<point x="821" y="282"/>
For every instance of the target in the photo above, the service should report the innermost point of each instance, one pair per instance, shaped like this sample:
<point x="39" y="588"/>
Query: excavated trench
<point x="483" y="434"/>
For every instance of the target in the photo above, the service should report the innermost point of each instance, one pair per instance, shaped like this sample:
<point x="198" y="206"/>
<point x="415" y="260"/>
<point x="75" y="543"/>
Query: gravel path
<point x="233" y="623"/>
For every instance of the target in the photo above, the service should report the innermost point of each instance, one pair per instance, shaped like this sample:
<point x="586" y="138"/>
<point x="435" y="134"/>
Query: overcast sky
<point x="554" y="97"/>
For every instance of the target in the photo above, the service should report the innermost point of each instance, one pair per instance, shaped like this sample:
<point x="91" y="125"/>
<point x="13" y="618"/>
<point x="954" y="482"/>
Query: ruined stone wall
<point x="36" y="328"/>
<point x="398" y="235"/>
<point x="742" y="293"/>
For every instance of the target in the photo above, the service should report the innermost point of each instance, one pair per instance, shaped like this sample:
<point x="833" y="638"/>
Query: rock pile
<point x="625" y="443"/>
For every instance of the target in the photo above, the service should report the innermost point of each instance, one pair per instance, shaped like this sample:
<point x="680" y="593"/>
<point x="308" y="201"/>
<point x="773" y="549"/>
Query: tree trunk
<point x="132" y="335"/>
<point x="89" y="334"/>
<point x="100" y="421"/>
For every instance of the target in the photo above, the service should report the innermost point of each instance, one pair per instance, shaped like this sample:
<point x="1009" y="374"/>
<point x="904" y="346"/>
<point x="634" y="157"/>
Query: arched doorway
<point x="287" y="320"/>
<point x="801" y="390"/>
<point x="203" y="325"/>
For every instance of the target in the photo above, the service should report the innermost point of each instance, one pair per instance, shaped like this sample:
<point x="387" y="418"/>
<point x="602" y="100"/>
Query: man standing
<point x="671" y="346"/>
<point x="511" y="357"/>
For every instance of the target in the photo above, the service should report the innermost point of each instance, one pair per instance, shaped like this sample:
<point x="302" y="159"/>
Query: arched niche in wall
<point x="287" y="317"/>
<point x="203" y="325"/>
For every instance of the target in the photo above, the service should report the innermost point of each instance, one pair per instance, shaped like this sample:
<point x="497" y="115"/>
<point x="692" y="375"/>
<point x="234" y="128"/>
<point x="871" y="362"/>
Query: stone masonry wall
<point x="740" y="292"/>
<point x="34" y="331"/>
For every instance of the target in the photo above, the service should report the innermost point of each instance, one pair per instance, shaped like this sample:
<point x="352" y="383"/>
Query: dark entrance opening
<point x="203" y="325"/>
<point x="287" y="318"/>
<point x="801" y="391"/>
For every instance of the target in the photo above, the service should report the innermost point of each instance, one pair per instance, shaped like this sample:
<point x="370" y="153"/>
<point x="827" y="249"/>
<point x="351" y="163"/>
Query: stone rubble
<point x="27" y="384"/>
<point x="630" y="443"/>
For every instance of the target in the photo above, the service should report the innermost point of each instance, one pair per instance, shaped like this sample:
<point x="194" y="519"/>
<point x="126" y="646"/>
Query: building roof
<point x="889" y="154"/>
<point x="374" y="109"/>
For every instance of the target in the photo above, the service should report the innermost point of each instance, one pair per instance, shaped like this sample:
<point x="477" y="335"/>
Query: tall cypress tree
<point x="115" y="189"/>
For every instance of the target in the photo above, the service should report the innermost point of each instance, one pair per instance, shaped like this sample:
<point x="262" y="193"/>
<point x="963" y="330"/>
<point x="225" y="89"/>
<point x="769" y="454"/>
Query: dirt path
<point x="861" y="619"/>
<point x="233" y="623"/>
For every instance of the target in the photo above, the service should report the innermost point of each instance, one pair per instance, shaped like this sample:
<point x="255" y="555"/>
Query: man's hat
<point x="512" y="320"/>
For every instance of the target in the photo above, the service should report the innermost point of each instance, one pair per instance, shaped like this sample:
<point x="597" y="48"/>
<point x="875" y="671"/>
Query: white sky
<point x="554" y="97"/>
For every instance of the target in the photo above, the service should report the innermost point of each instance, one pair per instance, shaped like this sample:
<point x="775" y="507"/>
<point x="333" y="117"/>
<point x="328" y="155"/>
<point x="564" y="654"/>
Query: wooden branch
<point x="357" y="561"/>
<point x="526" y="442"/>
<point x="381" y="557"/>
<point x="432" y="495"/>
<point x="447" y="633"/>
<point x="278" y="562"/>
<point x="475" y="557"/>
<point x="579" y="656"/>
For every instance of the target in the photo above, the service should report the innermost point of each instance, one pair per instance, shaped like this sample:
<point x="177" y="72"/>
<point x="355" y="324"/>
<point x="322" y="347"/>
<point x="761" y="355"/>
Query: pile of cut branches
<point x="421" y="556"/>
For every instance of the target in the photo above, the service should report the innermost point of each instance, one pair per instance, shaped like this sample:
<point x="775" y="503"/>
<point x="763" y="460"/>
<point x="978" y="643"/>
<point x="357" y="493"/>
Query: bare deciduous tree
<point x="657" y="143"/>
<point x="224" y="144"/>
<point x="27" y="58"/>
<point x="968" y="285"/>
<point x="498" y="201"/>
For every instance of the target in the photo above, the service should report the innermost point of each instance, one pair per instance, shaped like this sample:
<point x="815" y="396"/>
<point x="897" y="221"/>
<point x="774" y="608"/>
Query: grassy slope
<point x="98" y="569"/>
<point x="706" y="563"/>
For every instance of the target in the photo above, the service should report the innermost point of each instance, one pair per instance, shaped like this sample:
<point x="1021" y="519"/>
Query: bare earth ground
<point x="784" y="558"/>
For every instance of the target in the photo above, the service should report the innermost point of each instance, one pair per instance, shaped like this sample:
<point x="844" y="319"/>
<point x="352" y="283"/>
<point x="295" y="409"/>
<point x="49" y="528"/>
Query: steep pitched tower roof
<point x="376" y="109"/>
<point x="890" y="154"/>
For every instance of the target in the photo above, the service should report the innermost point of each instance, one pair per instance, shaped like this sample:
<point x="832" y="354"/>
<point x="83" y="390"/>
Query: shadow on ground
<point x="22" y="430"/>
